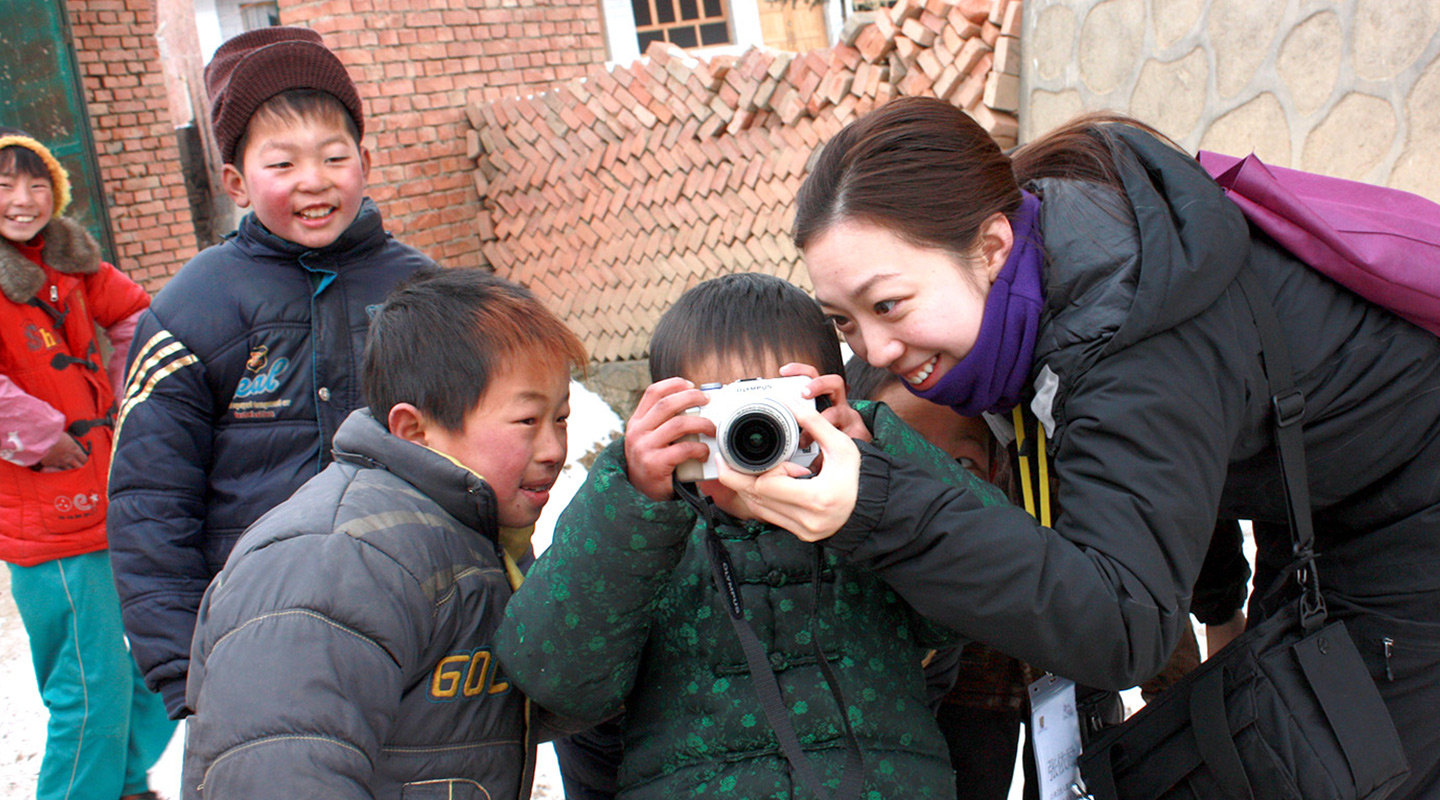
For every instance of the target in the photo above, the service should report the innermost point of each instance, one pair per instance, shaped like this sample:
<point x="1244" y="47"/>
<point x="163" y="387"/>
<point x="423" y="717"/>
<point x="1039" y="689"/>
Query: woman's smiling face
<point x="914" y="311"/>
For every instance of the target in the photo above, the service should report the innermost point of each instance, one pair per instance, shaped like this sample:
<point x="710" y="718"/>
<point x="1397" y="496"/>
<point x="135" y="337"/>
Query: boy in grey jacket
<point x="346" y="649"/>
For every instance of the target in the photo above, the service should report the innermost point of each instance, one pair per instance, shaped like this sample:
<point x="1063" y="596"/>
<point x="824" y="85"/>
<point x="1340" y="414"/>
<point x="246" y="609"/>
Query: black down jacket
<point x="240" y="372"/>
<point x="1148" y="374"/>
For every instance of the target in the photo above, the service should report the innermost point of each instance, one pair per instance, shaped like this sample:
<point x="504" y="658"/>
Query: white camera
<point x="755" y="429"/>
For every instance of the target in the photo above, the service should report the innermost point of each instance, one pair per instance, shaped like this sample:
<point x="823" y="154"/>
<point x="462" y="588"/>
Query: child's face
<point x="729" y="370"/>
<point x="966" y="439"/>
<point x="514" y="438"/>
<point x="26" y="204"/>
<point x="304" y="177"/>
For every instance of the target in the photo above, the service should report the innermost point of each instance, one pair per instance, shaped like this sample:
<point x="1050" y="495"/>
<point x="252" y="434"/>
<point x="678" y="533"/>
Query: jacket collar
<point x="68" y="248"/>
<point x="366" y="232"/>
<point x="363" y="441"/>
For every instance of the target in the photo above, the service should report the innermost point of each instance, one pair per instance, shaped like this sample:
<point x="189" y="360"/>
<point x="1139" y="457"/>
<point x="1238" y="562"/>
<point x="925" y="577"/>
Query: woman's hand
<point x="839" y="414"/>
<point x="1217" y="636"/>
<point x="64" y="454"/>
<point x="815" y="507"/>
<point x="655" y="440"/>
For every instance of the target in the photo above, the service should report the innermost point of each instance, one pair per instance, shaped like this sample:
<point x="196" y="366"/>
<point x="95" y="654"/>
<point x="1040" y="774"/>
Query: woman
<point x="1092" y="280"/>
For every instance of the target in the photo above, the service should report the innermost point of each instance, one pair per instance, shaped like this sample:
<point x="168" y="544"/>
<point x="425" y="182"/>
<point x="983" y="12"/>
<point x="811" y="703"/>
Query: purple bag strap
<point x="1383" y="244"/>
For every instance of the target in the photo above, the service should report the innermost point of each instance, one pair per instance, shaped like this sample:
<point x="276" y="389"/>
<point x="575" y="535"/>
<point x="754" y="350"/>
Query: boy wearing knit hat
<point x="56" y="407"/>
<point x="247" y="361"/>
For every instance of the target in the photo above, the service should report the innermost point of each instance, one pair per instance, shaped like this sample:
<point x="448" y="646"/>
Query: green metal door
<point x="40" y="92"/>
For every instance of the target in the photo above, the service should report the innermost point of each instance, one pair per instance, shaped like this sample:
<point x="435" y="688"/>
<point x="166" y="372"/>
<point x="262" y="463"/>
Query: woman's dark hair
<point x="1079" y="150"/>
<point x="443" y="335"/>
<point x="749" y="316"/>
<point x="925" y="171"/>
<point x="918" y="167"/>
<point x="17" y="160"/>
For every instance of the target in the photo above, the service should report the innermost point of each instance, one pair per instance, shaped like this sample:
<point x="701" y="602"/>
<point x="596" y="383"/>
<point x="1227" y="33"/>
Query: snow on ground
<point x="23" y="716"/>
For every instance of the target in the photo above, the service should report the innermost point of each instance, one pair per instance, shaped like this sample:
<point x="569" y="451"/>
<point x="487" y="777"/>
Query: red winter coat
<point x="55" y="294"/>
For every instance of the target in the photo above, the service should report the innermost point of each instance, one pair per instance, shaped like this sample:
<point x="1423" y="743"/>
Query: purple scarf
<point x="992" y="376"/>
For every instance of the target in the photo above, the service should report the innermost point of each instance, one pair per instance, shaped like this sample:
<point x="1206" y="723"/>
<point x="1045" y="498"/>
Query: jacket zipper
<point x="54" y="293"/>
<point x="1389" y="651"/>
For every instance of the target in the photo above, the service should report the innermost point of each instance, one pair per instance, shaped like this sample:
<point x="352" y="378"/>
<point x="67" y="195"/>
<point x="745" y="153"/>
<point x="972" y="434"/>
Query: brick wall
<point x="612" y="194"/>
<point x="418" y="65"/>
<point x="134" y="136"/>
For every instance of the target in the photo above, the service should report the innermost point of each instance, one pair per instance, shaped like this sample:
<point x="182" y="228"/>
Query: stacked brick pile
<point x="134" y="138"/>
<point x="610" y="195"/>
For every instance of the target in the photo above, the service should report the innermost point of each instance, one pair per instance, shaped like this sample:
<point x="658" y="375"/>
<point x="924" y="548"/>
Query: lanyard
<point x="1042" y="488"/>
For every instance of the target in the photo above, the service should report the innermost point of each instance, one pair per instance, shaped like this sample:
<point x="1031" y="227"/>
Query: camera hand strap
<point x="763" y="674"/>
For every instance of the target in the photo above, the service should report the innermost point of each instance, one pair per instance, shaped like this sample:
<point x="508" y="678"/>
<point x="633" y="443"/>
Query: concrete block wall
<point x="612" y="194"/>
<point x="1344" y="87"/>
<point x="418" y="65"/>
<point x="134" y="137"/>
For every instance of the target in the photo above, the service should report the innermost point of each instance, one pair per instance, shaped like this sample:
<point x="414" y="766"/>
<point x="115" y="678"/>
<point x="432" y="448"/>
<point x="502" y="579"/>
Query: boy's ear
<point x="408" y="422"/>
<point x="234" y="183"/>
<point x="364" y="162"/>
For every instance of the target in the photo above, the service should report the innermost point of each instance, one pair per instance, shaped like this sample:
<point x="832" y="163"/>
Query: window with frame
<point x="683" y="23"/>
<point x="259" y="15"/>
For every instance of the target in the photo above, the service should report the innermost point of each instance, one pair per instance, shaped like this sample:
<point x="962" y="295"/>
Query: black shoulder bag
<point x="1288" y="710"/>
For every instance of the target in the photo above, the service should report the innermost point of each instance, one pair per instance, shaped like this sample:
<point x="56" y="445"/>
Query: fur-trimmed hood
<point x="69" y="248"/>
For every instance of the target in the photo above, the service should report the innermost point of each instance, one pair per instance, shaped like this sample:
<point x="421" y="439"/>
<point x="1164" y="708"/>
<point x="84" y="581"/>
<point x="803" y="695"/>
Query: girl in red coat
<point x="57" y="405"/>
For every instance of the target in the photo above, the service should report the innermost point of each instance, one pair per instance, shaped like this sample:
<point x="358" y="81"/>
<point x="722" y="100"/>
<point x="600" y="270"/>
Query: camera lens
<point x="756" y="440"/>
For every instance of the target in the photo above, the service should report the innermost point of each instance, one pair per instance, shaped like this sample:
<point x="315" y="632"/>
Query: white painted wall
<point x="207" y="24"/>
<point x="217" y="21"/>
<point x="744" y="28"/>
<point x="620" y="31"/>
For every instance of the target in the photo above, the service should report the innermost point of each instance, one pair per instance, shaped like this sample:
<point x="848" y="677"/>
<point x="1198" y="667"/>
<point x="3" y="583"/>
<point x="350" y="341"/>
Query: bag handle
<point x="1288" y="403"/>
<point x="1213" y="739"/>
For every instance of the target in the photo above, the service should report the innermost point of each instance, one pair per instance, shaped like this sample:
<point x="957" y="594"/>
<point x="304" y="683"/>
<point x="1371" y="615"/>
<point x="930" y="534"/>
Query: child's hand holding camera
<point x="655" y="440"/>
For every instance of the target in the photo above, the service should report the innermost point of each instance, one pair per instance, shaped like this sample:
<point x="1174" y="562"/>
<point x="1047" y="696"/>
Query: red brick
<point x="887" y="27"/>
<point x="1002" y="91"/>
<point x="873" y="45"/>
<point x="929" y="63"/>
<point x="946" y="84"/>
<point x="1011" y="19"/>
<point x="904" y="10"/>
<point x="969" y="56"/>
<point x="918" y="33"/>
<point x="970" y="91"/>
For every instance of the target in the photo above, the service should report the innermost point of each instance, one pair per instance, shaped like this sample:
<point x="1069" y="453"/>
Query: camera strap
<point x="762" y="673"/>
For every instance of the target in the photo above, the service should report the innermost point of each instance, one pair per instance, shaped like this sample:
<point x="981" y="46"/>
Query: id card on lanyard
<point x="1055" y="732"/>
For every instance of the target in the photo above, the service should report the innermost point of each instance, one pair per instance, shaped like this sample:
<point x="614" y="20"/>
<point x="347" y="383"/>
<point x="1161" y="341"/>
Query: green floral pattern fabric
<point x="621" y="612"/>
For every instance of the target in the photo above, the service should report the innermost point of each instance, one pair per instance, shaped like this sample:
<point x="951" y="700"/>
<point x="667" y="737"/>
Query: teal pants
<point x="106" y="729"/>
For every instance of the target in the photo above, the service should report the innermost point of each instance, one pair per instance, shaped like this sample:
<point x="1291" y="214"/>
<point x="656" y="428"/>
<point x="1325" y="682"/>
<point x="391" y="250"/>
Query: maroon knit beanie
<point x="257" y="65"/>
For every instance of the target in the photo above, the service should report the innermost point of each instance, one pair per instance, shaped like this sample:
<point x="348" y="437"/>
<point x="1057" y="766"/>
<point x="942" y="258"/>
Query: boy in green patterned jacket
<point x="622" y="611"/>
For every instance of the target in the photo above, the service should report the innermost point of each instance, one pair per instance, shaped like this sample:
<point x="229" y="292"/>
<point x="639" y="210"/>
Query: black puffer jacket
<point x="346" y="649"/>
<point x="1148" y="373"/>
<point x="241" y="371"/>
